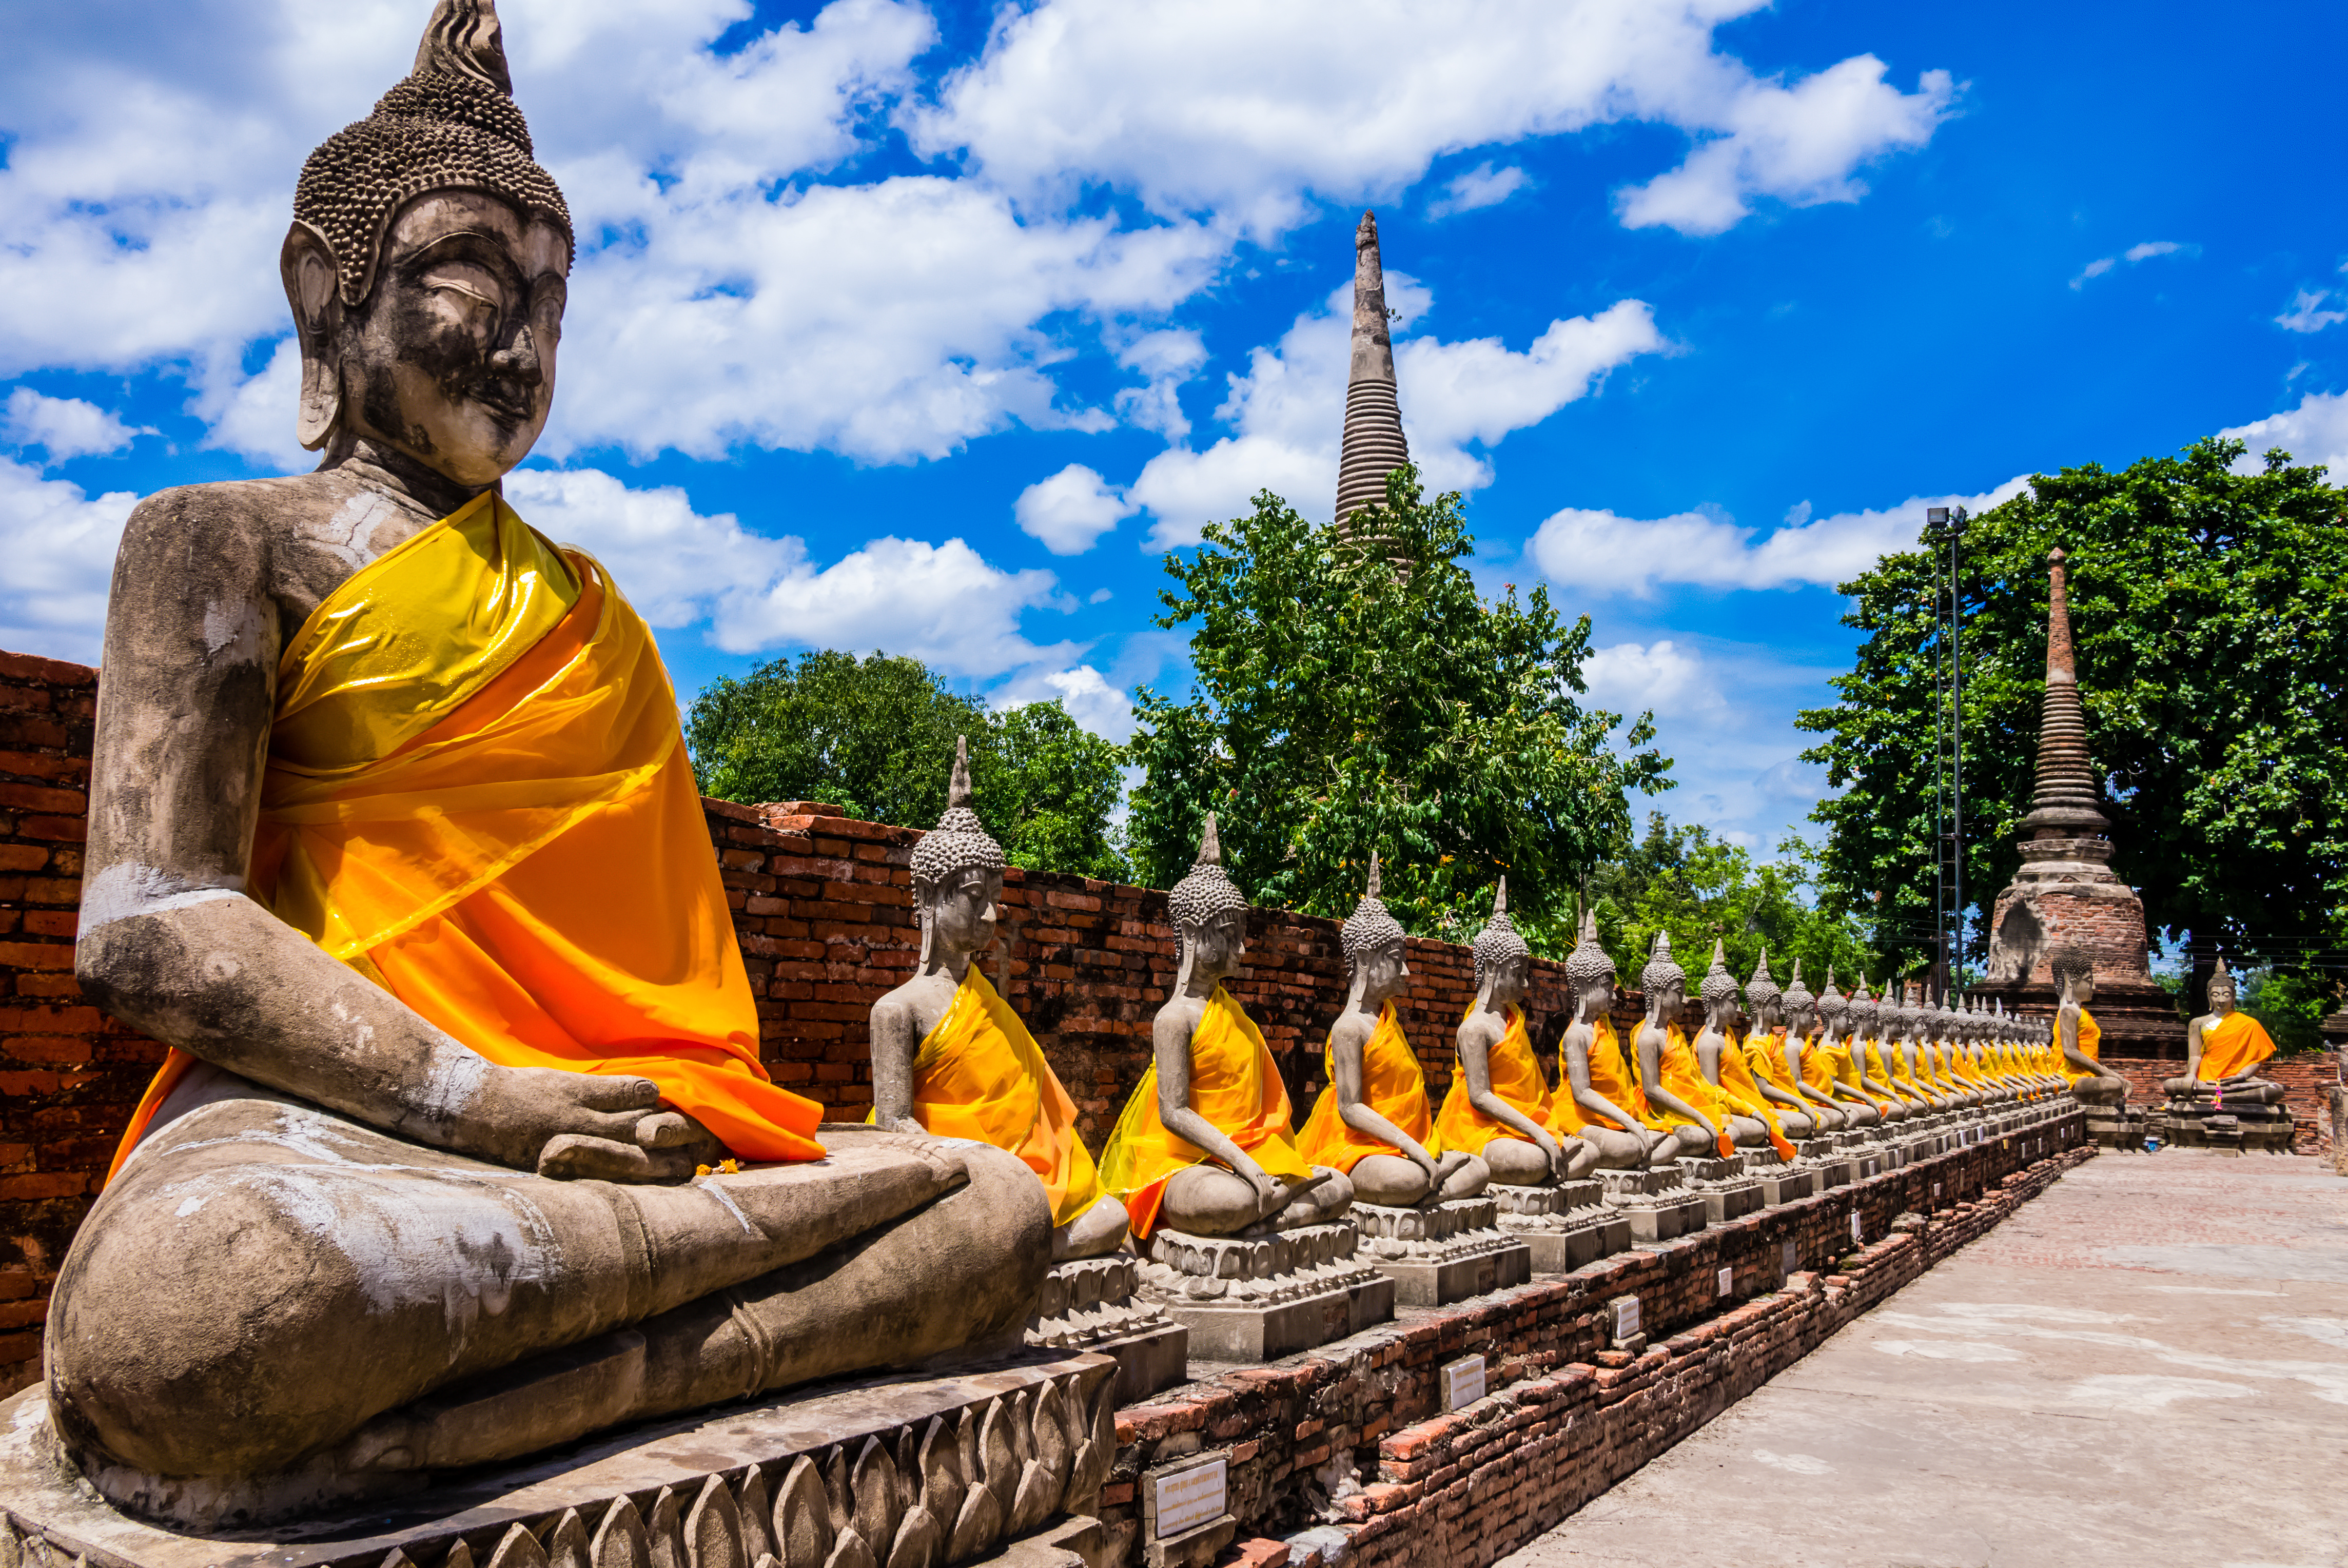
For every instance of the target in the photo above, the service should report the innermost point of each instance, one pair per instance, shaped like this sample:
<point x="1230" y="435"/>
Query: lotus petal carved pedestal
<point x="1094" y="1303"/>
<point x="1660" y="1204"/>
<point x="1564" y="1226"/>
<point x="1442" y="1253"/>
<point x="1257" y="1298"/>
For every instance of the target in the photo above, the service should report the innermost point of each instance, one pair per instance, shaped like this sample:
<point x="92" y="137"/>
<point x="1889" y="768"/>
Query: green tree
<point x="875" y="738"/>
<point x="2210" y="619"/>
<point x="1682" y="880"/>
<point x="1351" y="700"/>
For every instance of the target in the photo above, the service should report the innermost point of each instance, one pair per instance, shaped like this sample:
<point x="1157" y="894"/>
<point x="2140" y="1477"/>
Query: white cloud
<point x="674" y="566"/>
<point x="2145" y="251"/>
<point x="2307" y="313"/>
<point x="1169" y="359"/>
<point x="1598" y="553"/>
<point x="1482" y="186"/>
<point x="2315" y="432"/>
<point x="59" y="543"/>
<point x="1105" y="709"/>
<point x="64" y="428"/>
<point x="1070" y="510"/>
<point x="2151" y="248"/>
<point x="1287" y="410"/>
<point x="1663" y="675"/>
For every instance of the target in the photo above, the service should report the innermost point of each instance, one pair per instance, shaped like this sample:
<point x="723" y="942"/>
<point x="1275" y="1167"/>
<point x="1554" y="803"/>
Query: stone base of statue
<point x="1728" y="1191"/>
<point x="1824" y="1153"/>
<point x="2195" y="1121"/>
<point x="890" y="1469"/>
<point x="2115" y="1126"/>
<point x="1257" y="1298"/>
<point x="1781" y="1181"/>
<point x="1093" y="1304"/>
<point x="1659" y="1204"/>
<point x="1564" y="1226"/>
<point x="1442" y="1253"/>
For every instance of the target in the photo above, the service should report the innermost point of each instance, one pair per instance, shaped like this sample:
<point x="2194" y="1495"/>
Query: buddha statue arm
<point x="2066" y="1036"/>
<point x="170" y="943"/>
<point x="1170" y="1040"/>
<point x="1575" y="1052"/>
<point x="1651" y="1074"/>
<point x="1345" y="1043"/>
<point x="1476" y="1038"/>
<point x="896" y="1045"/>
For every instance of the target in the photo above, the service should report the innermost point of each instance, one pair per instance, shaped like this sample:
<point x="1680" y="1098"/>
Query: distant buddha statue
<point x="2223" y="1048"/>
<point x="1206" y="1143"/>
<point x="1808" y="1072"/>
<point x="1598" y="1098"/>
<point x="1869" y="1028"/>
<point x="1696" y="1109"/>
<point x="1903" y="1052"/>
<point x="1839" y="1068"/>
<point x="1765" y="1053"/>
<point x="951" y="1057"/>
<point x="394" y="841"/>
<point x="1753" y="1118"/>
<point x="1500" y="1108"/>
<point x="1373" y="1121"/>
<point x="2076" y="1033"/>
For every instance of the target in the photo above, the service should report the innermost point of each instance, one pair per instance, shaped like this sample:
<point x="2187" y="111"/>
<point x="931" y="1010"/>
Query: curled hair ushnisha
<point x="1206" y="893"/>
<point x="1589" y="963"/>
<point x="450" y="126"/>
<point x="1661" y="968"/>
<point x="1761" y="988"/>
<point x="1833" y="1006"/>
<point x="1719" y="985"/>
<point x="2221" y="976"/>
<point x="1371" y="926"/>
<point x="1499" y="941"/>
<point x="1796" y="1002"/>
<point x="2069" y="960"/>
<point x="1866" y="1012"/>
<point x="960" y="843"/>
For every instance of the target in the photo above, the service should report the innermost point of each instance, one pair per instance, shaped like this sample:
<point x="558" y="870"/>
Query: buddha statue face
<point x="1508" y="977"/>
<point x="2221" y="993"/>
<point x="961" y="911"/>
<point x="1594" y="997"/>
<point x="1381" y="972"/>
<point x="1216" y="947"/>
<point x="449" y="359"/>
<point x="1670" y="999"/>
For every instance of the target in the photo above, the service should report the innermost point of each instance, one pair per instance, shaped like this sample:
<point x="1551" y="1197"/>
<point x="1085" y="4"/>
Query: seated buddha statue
<point x="1598" y="1098"/>
<point x="1957" y="1051"/>
<point x="1753" y="1120"/>
<point x="2223" y="1048"/>
<point x="1868" y="1029"/>
<point x="1948" y="1053"/>
<point x="1498" y="1108"/>
<point x="949" y="1055"/>
<point x="1808" y="1072"/>
<point x="2076" y="1034"/>
<point x="1698" y="1112"/>
<point x="1373" y="1121"/>
<point x="1987" y="1047"/>
<point x="1912" y="1050"/>
<point x="1206" y="1142"/>
<point x="463" y="1146"/>
<point x="1839" y="1066"/>
<point x="1765" y="1053"/>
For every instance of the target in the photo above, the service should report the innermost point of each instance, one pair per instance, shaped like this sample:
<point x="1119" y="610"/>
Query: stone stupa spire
<point x="1374" y="445"/>
<point x="2066" y="799"/>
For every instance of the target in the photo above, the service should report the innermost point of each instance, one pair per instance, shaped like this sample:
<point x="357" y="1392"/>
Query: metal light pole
<point x="1946" y="526"/>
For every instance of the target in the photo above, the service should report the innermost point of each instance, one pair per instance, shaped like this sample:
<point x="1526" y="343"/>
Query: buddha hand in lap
<point x="1372" y="1122"/>
<point x="2223" y="1048"/>
<point x="1205" y="1142"/>
<point x="950" y="1057"/>
<point x="1754" y="1121"/>
<point x="393" y="842"/>
<point x="1500" y="1108"/>
<point x="1599" y="1098"/>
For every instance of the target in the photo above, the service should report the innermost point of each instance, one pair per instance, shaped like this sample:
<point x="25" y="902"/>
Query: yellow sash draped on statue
<point x="2233" y="1045"/>
<point x="1766" y="1058"/>
<point x="1234" y="1085"/>
<point x="2090" y="1033"/>
<point x="1611" y="1080"/>
<point x="980" y="1074"/>
<point x="1516" y="1078"/>
<point x="1682" y="1075"/>
<point x="1818" y="1068"/>
<point x="1391" y="1084"/>
<point x="1737" y="1082"/>
<point x="477" y="796"/>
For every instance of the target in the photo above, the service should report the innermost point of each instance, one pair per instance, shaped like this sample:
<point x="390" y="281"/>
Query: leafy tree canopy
<point x="1700" y="889"/>
<point x="2210" y="617"/>
<point x="876" y="737"/>
<point x="1350" y="700"/>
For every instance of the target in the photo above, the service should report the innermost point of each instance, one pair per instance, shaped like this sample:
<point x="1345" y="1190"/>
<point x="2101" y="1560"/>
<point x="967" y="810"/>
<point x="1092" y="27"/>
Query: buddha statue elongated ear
<point x="307" y="264"/>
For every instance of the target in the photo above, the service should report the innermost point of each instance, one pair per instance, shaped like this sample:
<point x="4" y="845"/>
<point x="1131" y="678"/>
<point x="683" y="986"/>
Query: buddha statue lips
<point x="394" y="843"/>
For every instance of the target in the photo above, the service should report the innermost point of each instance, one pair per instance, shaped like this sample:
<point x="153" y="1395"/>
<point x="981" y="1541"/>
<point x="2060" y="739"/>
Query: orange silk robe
<point x="2090" y="1034"/>
<point x="980" y="1074"/>
<point x="477" y="796"/>
<point x="1611" y="1080"/>
<point x="1818" y="1068"/>
<point x="1391" y="1084"/>
<point x="1746" y="1096"/>
<point x="2233" y="1045"/>
<point x="1234" y="1085"/>
<point x="1682" y="1074"/>
<point x="1516" y="1078"/>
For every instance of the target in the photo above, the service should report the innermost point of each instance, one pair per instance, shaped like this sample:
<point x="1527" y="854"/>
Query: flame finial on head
<point x="1372" y="925"/>
<point x="1719" y="985"/>
<point x="1661" y="968"/>
<point x="1207" y="891"/>
<point x="1589" y="963"/>
<point x="960" y="843"/>
<point x="1761" y="988"/>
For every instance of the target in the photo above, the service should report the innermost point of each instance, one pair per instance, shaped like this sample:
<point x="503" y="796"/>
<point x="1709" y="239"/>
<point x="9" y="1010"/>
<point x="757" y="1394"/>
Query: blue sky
<point x="932" y="329"/>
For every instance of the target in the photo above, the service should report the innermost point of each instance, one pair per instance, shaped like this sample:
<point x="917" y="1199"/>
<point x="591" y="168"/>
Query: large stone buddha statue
<point x="950" y="1057"/>
<point x="1753" y="1121"/>
<point x="393" y="840"/>
<point x="1373" y="1121"/>
<point x="1500" y="1108"/>
<point x="1837" y="1063"/>
<point x="2077" y="1036"/>
<point x="1599" y="1098"/>
<point x="1766" y="1039"/>
<point x="2223" y="1048"/>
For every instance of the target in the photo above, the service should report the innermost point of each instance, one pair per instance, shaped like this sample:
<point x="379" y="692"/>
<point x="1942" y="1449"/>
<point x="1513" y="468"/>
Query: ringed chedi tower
<point x="1374" y="445"/>
<point x="2064" y="891"/>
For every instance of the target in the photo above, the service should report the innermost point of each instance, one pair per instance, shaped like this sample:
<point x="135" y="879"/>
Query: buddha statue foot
<point x="1255" y="1298"/>
<point x="1437" y="1254"/>
<point x="1092" y="1304"/>
<point x="1564" y="1226"/>
<point x="1659" y="1204"/>
<point x="943" y="1471"/>
<point x="1729" y="1191"/>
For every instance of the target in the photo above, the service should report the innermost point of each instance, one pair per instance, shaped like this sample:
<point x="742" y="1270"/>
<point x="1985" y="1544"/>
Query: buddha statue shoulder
<point x="1206" y="1143"/>
<point x="1599" y="1098"/>
<point x="394" y="843"/>
<point x="2223" y="1048"/>
<point x="1874" y="1078"/>
<point x="2076" y="1035"/>
<point x="950" y="1057"/>
<point x="1373" y="1121"/>
<point x="1500" y="1106"/>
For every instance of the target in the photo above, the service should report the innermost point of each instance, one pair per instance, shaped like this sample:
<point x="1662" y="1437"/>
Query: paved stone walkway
<point x="2148" y="1365"/>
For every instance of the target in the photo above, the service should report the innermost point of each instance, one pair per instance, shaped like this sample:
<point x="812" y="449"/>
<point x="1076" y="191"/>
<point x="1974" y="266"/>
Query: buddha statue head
<point x="1834" y="1009"/>
<point x="1209" y="919"/>
<point x="1664" y="981"/>
<point x="1801" y="1008"/>
<point x="2075" y="973"/>
<point x="1762" y="1000"/>
<point x="1718" y="991"/>
<point x="2222" y="993"/>
<point x="1503" y="961"/>
<point x="1866" y="1012"/>
<point x="1374" y="944"/>
<point x="957" y="874"/>
<point x="1590" y="973"/>
<point x="427" y="267"/>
